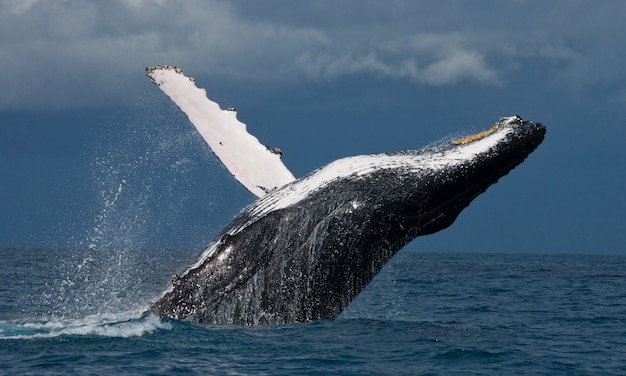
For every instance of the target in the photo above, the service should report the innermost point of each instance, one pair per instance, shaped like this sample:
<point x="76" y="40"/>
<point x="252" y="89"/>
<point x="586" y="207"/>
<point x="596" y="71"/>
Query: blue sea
<point x="76" y="312"/>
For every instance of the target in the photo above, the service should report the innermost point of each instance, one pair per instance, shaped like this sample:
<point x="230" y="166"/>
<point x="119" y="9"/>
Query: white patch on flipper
<point x="251" y="163"/>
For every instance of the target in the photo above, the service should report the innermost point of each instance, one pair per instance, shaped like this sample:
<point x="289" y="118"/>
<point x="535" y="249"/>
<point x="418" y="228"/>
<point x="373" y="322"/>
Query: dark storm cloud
<point x="84" y="53"/>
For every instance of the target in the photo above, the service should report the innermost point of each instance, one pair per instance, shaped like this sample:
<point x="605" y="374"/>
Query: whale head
<point x="447" y="178"/>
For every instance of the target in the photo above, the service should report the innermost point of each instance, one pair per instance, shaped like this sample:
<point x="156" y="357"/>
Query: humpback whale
<point x="306" y="247"/>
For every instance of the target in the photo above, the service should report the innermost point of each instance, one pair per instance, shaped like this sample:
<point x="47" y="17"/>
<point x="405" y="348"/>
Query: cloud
<point x="430" y="59"/>
<point x="19" y="6"/>
<point x="78" y="54"/>
<point x="60" y="54"/>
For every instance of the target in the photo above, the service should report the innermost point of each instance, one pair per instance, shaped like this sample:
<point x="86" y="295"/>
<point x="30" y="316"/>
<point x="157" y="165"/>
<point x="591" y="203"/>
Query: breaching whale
<point x="307" y="247"/>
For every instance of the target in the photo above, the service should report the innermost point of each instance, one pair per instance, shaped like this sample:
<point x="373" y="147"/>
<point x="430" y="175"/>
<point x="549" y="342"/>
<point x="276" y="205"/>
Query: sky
<point x="93" y="155"/>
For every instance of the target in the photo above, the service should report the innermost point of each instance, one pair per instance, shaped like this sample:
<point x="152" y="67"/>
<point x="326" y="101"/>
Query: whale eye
<point x="477" y="136"/>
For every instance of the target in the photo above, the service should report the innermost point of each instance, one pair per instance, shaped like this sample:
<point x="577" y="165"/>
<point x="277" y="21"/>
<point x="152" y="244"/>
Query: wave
<point x="123" y="325"/>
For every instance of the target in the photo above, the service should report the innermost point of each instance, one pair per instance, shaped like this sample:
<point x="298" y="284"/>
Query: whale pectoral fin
<point x="258" y="167"/>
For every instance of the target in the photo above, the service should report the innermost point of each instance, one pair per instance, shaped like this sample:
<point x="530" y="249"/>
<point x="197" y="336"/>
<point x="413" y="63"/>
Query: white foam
<point x="124" y="325"/>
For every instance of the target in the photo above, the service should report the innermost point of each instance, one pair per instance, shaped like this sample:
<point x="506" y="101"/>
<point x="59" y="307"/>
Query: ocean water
<point x="74" y="312"/>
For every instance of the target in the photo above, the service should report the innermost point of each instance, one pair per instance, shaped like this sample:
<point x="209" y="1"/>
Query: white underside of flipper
<point x="253" y="164"/>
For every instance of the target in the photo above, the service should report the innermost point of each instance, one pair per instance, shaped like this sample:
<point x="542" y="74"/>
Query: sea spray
<point x="137" y="175"/>
<point x="155" y="186"/>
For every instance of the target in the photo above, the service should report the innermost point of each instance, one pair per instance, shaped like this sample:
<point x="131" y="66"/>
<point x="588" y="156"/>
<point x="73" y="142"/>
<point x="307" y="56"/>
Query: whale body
<point x="306" y="248"/>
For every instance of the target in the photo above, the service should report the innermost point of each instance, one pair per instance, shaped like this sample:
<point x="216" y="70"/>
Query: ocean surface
<point x="75" y="312"/>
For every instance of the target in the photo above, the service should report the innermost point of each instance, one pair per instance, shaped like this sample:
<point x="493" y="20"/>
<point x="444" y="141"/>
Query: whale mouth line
<point x="477" y="136"/>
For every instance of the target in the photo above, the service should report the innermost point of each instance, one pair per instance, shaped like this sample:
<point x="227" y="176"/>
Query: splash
<point x="106" y="270"/>
<point x="119" y="190"/>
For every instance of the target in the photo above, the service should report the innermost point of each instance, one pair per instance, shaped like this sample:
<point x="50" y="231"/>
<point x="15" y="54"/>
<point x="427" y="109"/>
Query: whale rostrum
<point x="307" y="247"/>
